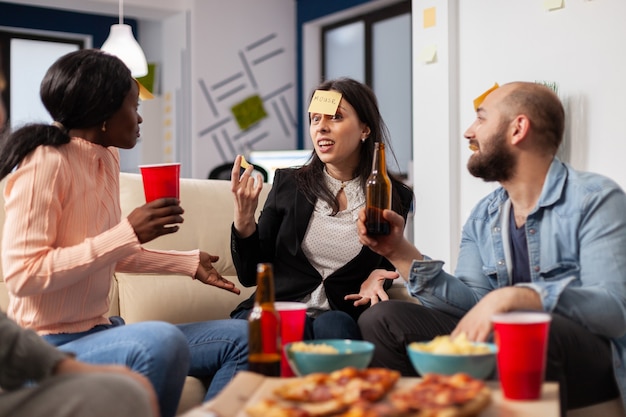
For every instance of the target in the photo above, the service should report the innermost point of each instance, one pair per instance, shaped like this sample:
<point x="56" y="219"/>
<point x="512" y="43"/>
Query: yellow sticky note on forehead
<point x="325" y="102"/>
<point x="479" y="100"/>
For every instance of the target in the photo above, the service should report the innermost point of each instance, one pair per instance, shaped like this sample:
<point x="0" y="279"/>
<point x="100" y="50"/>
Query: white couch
<point x="208" y="217"/>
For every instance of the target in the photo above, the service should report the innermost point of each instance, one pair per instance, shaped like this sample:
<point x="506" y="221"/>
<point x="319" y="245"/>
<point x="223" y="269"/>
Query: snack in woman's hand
<point x="244" y="163"/>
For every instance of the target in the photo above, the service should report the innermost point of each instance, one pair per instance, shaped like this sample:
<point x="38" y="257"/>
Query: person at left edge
<point x="64" y="236"/>
<point x="36" y="378"/>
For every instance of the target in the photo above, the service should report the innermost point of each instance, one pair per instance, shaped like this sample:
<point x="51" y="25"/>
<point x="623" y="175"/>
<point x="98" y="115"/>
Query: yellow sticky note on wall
<point x="430" y="17"/>
<point x="550" y="5"/>
<point x="325" y="102"/>
<point x="428" y="54"/>
<point x="479" y="100"/>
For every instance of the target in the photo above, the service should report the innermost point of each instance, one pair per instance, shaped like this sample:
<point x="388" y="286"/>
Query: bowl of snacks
<point x="328" y="355"/>
<point x="447" y="356"/>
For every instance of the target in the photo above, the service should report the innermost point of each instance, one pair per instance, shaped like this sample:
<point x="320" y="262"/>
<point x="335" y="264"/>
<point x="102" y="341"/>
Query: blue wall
<point x="313" y="9"/>
<point x="308" y="10"/>
<point x="29" y="17"/>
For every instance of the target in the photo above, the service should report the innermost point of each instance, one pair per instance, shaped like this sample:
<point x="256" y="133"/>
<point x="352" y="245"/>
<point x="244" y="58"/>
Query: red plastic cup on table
<point x="522" y="340"/>
<point x="292" y="320"/>
<point x="160" y="180"/>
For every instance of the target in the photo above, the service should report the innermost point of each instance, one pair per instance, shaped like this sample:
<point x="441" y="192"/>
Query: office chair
<point x="222" y="172"/>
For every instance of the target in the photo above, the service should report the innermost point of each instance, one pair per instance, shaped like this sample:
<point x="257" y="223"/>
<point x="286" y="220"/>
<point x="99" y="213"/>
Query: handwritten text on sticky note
<point x="325" y="102"/>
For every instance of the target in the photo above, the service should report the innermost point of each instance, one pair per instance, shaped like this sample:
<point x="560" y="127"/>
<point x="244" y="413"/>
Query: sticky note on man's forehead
<point x="479" y="100"/>
<point x="325" y="102"/>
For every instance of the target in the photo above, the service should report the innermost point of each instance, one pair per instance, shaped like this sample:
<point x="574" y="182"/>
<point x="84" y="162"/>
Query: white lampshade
<point x="122" y="44"/>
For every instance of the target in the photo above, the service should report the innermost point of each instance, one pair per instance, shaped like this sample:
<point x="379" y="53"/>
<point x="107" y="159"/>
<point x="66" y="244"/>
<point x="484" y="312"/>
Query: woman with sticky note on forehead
<point x="307" y="226"/>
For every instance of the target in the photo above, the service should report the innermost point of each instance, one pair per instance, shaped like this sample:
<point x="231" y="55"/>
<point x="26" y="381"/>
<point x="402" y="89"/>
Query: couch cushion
<point x="174" y="298"/>
<point x="208" y="206"/>
<point x="208" y="217"/>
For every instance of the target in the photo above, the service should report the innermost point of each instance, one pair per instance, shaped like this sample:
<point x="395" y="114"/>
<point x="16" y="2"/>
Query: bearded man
<point x="549" y="239"/>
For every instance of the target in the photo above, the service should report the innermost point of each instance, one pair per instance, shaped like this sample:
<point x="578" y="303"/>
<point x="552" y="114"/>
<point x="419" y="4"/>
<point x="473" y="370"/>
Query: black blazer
<point x="278" y="237"/>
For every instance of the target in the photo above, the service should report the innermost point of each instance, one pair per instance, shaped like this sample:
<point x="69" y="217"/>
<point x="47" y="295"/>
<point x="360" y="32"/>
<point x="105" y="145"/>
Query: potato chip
<point x="313" y="348"/>
<point x="445" y="345"/>
<point x="244" y="163"/>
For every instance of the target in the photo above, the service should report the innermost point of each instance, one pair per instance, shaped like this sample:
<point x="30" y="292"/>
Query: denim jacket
<point x="576" y="239"/>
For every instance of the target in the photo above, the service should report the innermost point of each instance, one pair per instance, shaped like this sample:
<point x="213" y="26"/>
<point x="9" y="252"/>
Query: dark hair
<point x="81" y="89"/>
<point x="364" y="102"/>
<point x="3" y="86"/>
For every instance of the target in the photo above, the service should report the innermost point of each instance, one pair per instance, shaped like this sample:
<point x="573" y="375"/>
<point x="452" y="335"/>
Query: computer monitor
<point x="272" y="160"/>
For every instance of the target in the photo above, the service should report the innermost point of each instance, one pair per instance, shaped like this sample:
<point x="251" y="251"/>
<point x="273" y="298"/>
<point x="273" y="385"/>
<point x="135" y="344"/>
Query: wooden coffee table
<point x="248" y="388"/>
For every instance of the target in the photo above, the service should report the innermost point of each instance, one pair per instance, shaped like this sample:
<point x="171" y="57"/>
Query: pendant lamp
<point x="122" y="44"/>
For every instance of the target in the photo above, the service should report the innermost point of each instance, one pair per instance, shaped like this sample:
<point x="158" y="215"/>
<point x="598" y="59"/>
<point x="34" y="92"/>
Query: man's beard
<point x="495" y="163"/>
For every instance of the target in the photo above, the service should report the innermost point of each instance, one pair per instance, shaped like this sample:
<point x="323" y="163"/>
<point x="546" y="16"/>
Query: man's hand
<point x="476" y="324"/>
<point x="384" y="245"/>
<point x="156" y="218"/>
<point x="72" y="366"/>
<point x="207" y="274"/>
<point x="399" y="251"/>
<point x="372" y="288"/>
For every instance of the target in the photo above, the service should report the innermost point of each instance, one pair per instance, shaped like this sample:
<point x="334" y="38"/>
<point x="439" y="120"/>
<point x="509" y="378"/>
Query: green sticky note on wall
<point x="148" y="80"/>
<point x="249" y="111"/>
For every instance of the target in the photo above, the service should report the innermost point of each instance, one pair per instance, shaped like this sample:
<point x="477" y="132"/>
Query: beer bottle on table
<point x="264" y="345"/>
<point x="378" y="194"/>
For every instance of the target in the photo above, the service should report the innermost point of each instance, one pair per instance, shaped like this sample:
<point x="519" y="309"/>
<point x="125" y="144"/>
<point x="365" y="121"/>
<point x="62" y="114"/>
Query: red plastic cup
<point x="292" y="319"/>
<point x="160" y="180"/>
<point x="522" y="340"/>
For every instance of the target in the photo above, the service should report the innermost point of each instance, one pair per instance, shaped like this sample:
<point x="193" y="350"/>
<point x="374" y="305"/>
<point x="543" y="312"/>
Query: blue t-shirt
<point x="519" y="251"/>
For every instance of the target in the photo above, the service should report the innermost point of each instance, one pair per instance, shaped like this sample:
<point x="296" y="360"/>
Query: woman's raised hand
<point x="246" y="190"/>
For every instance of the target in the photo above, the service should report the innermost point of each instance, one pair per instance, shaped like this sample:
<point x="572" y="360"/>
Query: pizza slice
<point x="436" y="395"/>
<point x="320" y="394"/>
<point x="278" y="408"/>
<point x="348" y="385"/>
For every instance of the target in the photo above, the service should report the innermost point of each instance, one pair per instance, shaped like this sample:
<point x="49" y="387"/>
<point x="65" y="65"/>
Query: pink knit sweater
<point x="64" y="238"/>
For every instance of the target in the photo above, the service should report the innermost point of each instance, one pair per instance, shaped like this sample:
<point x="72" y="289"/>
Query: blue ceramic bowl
<point x="354" y="353"/>
<point x="479" y="366"/>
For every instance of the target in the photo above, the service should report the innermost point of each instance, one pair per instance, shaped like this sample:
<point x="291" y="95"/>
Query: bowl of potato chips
<point x="447" y="356"/>
<point x="328" y="355"/>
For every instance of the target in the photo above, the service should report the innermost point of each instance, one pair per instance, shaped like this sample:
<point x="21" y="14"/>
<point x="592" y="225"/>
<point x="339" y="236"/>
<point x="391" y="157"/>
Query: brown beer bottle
<point x="378" y="194"/>
<point x="264" y="326"/>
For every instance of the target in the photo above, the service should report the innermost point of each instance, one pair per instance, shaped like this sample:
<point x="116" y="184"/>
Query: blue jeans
<point x="332" y="324"/>
<point x="165" y="353"/>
